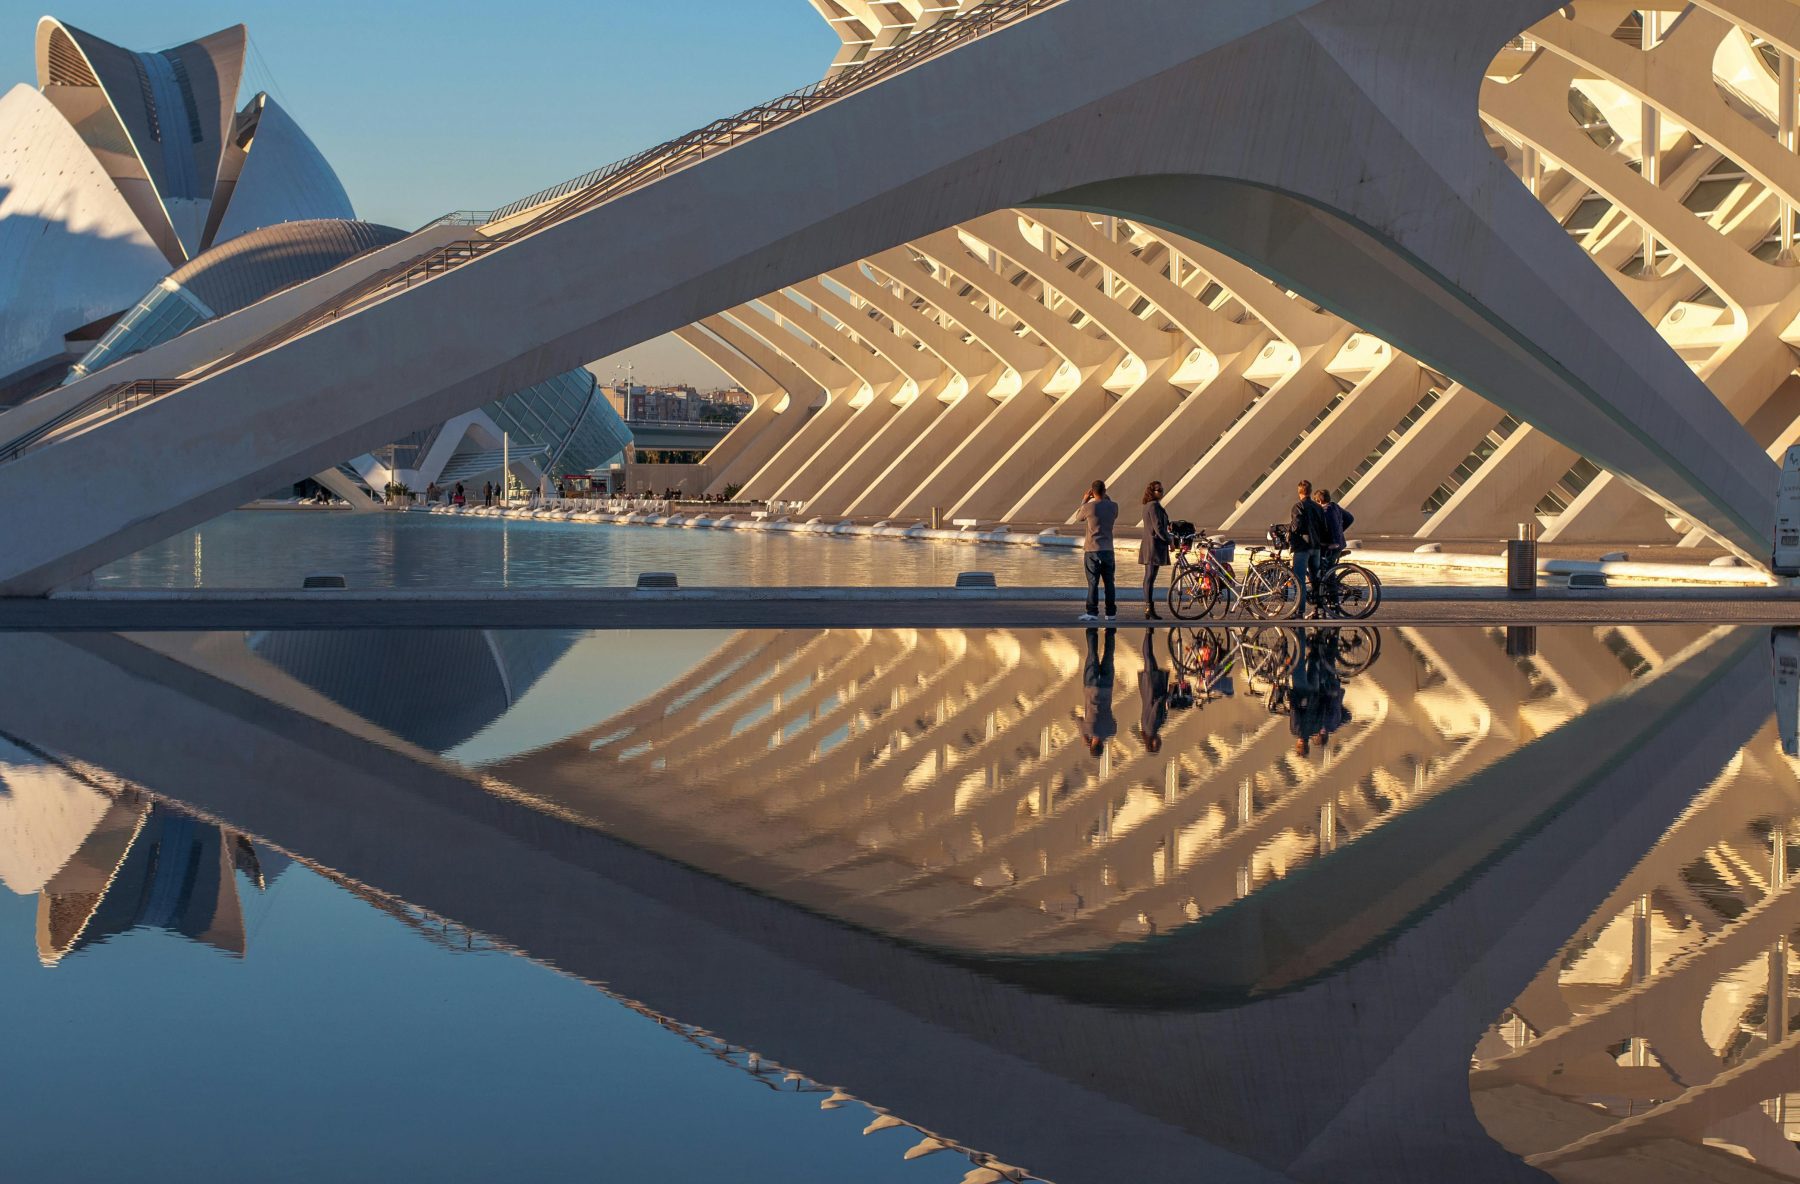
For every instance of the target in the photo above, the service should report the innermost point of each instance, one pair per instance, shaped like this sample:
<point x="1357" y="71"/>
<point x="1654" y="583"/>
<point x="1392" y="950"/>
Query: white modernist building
<point x="1466" y="264"/>
<point x="992" y="369"/>
<point x="123" y="165"/>
<point x="118" y="167"/>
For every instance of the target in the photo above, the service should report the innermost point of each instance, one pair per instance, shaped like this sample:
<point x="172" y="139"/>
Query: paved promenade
<point x="793" y="608"/>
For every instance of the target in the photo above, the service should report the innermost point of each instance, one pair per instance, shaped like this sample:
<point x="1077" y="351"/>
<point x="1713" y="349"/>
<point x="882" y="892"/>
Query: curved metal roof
<point x="247" y="268"/>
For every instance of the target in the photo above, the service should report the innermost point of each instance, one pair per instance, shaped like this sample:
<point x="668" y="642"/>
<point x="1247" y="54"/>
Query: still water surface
<point x="277" y="549"/>
<point x="1404" y="904"/>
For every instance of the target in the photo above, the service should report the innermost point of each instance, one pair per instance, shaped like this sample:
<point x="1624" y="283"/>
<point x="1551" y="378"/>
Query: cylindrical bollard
<point x="1521" y="562"/>
<point x="937" y="517"/>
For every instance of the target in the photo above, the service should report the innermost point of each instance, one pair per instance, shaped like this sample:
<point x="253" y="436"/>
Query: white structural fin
<point x="283" y="178"/>
<point x="159" y="121"/>
<point x="72" y="251"/>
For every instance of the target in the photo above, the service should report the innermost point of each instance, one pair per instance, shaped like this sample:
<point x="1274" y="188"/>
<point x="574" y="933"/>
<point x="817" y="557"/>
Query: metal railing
<point x="604" y="184"/>
<point x="709" y="424"/>
<point x="102" y="405"/>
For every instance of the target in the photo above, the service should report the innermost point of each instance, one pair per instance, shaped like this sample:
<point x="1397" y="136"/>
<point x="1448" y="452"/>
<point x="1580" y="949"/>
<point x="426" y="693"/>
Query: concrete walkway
<point x="799" y="608"/>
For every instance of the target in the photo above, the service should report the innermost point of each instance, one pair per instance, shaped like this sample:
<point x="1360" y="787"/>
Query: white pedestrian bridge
<point x="1332" y="145"/>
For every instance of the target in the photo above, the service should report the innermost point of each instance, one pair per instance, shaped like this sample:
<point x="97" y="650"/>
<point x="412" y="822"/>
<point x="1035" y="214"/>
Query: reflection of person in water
<point x="1153" y="696"/>
<point x="1097" y="722"/>
<point x="1315" y="693"/>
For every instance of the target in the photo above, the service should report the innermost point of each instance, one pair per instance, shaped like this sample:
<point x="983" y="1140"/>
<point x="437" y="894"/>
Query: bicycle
<point x="1205" y="573"/>
<point x="1349" y="590"/>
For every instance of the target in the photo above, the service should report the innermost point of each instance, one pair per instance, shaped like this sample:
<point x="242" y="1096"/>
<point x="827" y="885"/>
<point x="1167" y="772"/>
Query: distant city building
<point x="678" y="404"/>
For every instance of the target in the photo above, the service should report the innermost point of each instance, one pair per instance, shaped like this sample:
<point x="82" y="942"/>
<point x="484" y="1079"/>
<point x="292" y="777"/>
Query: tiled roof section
<point x="247" y="268"/>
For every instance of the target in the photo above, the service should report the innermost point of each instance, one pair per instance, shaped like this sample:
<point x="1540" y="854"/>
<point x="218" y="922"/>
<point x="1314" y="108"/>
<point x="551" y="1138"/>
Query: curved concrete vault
<point x="1340" y="154"/>
<point x="1408" y="449"/>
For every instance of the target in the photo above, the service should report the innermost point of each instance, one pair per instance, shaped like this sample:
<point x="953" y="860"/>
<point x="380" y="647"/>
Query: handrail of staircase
<point x="594" y="188"/>
<point x="603" y="184"/>
<point x="113" y="400"/>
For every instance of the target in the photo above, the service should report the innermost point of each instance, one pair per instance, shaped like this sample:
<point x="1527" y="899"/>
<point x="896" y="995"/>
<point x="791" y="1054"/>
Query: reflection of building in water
<point x="1315" y="1023"/>
<point x="431" y="687"/>
<point x="102" y="865"/>
<point x="1670" y="1018"/>
<point x="938" y="783"/>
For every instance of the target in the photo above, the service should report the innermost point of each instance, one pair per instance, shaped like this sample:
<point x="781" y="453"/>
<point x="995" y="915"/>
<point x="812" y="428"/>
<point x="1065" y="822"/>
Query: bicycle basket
<point x="1278" y="534"/>
<point x="1225" y="552"/>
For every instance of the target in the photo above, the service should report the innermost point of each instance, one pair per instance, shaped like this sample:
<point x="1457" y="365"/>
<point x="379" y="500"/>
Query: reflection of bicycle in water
<point x="1210" y="657"/>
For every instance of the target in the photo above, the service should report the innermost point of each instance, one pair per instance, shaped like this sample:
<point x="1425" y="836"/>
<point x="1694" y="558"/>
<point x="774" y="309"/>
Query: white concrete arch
<point x="924" y="394"/>
<point x="730" y="459"/>
<point x="1088" y="430"/>
<point x="779" y="435"/>
<point x="1676" y="77"/>
<point x="1054" y="404"/>
<point x="866" y="399"/>
<point x="971" y="374"/>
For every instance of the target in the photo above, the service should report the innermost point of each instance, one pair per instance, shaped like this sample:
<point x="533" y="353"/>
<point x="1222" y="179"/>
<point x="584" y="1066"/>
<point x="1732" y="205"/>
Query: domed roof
<point x="245" y="269"/>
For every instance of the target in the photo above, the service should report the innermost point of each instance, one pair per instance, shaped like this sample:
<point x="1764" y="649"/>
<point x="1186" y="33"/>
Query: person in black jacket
<point x="1153" y="548"/>
<point x="1337" y="520"/>
<point x="1308" y="534"/>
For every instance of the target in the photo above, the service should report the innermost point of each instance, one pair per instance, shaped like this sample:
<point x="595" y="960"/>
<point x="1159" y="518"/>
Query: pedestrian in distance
<point x="1097" y="515"/>
<point x="1153" y="548"/>
<point x="1307" y="534"/>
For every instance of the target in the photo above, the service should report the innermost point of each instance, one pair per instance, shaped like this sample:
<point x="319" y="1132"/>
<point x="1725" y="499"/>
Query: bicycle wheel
<point x="1276" y="595"/>
<point x="1357" y="648"/>
<point x="1194" y="650"/>
<point x="1269" y="652"/>
<point x="1358" y="591"/>
<point x="1192" y="593"/>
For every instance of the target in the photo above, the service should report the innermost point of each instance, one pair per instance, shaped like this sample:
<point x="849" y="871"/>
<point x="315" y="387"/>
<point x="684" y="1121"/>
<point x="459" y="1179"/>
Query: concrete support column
<point x="1651" y="133"/>
<point x="1786" y="121"/>
<point x="1640" y="969"/>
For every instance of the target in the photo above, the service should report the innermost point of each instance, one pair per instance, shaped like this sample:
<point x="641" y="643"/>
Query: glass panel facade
<point x="166" y="313"/>
<point x="566" y="415"/>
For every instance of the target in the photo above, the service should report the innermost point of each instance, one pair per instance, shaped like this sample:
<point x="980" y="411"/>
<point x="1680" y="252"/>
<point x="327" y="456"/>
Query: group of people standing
<point x="1315" y="531"/>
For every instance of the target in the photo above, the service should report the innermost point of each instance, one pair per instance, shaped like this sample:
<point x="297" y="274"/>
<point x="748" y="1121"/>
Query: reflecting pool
<point x="958" y="905"/>
<point x="278" y="548"/>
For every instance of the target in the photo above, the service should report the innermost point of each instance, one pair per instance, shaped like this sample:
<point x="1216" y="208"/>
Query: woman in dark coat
<point x="1153" y="549"/>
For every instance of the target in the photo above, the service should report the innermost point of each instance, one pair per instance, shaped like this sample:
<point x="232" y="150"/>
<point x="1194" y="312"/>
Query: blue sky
<point x="424" y="108"/>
